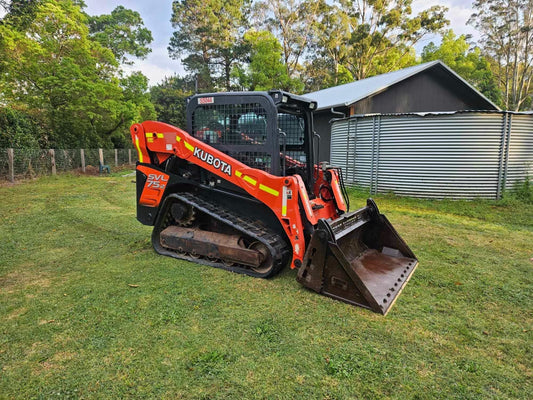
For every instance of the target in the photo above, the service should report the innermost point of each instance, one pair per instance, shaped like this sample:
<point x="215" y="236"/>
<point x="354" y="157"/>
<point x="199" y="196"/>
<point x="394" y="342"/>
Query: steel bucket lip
<point x="384" y="277"/>
<point x="382" y="310"/>
<point x="376" y="288"/>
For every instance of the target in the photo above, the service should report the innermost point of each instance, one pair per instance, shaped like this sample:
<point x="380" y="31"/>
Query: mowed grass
<point x="88" y="310"/>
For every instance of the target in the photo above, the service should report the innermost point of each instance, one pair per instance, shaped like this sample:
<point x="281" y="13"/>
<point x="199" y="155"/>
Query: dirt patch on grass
<point x="95" y="171"/>
<point x="89" y="170"/>
<point x="4" y="183"/>
<point x="425" y="371"/>
<point x="17" y="280"/>
<point x="46" y="321"/>
<point x="55" y="362"/>
<point x="45" y="368"/>
<point x="47" y="365"/>
<point x="63" y="356"/>
<point x="16" y="313"/>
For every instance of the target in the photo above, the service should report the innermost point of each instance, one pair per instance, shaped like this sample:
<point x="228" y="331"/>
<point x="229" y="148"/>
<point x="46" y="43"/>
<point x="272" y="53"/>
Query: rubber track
<point x="279" y="249"/>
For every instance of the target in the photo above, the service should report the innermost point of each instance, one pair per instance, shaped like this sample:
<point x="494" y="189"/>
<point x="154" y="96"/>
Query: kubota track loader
<point x="241" y="190"/>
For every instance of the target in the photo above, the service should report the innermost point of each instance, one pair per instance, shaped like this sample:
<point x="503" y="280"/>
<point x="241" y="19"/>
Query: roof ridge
<point x="426" y="65"/>
<point x="352" y="92"/>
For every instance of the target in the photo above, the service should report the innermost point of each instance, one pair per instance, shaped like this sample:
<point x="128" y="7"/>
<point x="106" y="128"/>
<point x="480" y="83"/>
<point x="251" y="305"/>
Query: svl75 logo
<point x="156" y="181"/>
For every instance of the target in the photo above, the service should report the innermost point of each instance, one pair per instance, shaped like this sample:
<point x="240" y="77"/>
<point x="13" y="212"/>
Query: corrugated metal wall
<point x="520" y="161"/>
<point x="459" y="155"/>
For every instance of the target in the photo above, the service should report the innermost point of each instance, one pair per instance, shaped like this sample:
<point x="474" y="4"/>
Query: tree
<point x="265" y="70"/>
<point x="19" y="13"/>
<point x="332" y="33"/>
<point x="170" y="97"/>
<point x="356" y="39"/>
<point x="321" y="73"/>
<point x="291" y="21"/>
<point x="137" y="106"/>
<point x="383" y="34"/>
<point x="123" y="32"/>
<point x="53" y="68"/>
<point x="329" y="49"/>
<point x="469" y="63"/>
<point x="507" y="37"/>
<point x="209" y="34"/>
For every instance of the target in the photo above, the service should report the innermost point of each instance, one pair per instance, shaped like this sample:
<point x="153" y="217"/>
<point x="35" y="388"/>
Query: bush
<point x="19" y="129"/>
<point x="523" y="191"/>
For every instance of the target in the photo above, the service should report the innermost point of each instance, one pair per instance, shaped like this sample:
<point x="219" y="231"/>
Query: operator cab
<point x="271" y="131"/>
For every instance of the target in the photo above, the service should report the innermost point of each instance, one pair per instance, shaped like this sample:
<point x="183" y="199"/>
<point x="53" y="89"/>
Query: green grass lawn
<point x="88" y="310"/>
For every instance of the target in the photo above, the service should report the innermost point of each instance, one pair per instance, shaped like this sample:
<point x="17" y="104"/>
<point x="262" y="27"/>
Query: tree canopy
<point x="507" y="36"/>
<point x="169" y="98"/>
<point x="122" y="32"/>
<point x="208" y="34"/>
<point x="55" y="69"/>
<point x="322" y="43"/>
<point x="62" y="79"/>
<point x="265" y="69"/>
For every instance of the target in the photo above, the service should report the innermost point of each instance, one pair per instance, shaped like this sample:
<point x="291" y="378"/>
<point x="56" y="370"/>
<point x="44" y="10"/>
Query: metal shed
<point x="428" y="87"/>
<point x="471" y="154"/>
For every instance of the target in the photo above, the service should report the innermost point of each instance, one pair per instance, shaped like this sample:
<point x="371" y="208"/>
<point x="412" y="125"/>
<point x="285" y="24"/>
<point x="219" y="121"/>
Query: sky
<point x="156" y="16"/>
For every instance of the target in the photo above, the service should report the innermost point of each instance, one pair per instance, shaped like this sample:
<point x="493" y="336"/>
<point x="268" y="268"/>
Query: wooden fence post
<point x="129" y="156"/>
<point x="82" y="155"/>
<point x="116" y="158"/>
<point x="101" y="156"/>
<point x="11" y="161"/>
<point x="66" y="157"/>
<point x="52" y="153"/>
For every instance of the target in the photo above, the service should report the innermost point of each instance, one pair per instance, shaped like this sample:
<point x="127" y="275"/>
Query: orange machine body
<point x="281" y="194"/>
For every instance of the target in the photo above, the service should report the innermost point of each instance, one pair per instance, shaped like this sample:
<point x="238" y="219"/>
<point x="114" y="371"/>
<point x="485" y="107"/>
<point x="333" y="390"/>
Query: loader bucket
<point x="359" y="258"/>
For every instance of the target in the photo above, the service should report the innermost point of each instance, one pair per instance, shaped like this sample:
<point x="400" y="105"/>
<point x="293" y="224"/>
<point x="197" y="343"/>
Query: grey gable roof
<point x="349" y="93"/>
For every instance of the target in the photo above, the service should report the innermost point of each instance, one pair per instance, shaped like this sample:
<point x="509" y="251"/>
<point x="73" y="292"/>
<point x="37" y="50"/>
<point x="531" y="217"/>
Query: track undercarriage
<point x="195" y="229"/>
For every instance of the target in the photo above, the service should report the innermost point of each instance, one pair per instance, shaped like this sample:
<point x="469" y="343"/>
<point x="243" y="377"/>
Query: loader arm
<point x="157" y="141"/>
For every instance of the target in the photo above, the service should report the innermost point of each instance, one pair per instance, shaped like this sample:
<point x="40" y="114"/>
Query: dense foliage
<point x="55" y="68"/>
<point x="318" y="43"/>
<point x="308" y="45"/>
<point x="62" y="82"/>
<point x="19" y="129"/>
<point x="170" y="99"/>
<point x="507" y="29"/>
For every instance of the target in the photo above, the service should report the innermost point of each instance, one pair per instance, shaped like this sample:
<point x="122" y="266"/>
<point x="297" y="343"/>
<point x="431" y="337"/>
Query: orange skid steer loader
<point x="240" y="190"/>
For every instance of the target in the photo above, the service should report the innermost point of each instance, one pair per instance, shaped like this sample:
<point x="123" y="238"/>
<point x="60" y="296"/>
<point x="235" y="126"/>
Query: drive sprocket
<point x="182" y="213"/>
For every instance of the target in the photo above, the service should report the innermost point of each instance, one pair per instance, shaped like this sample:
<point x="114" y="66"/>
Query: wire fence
<point x="16" y="164"/>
